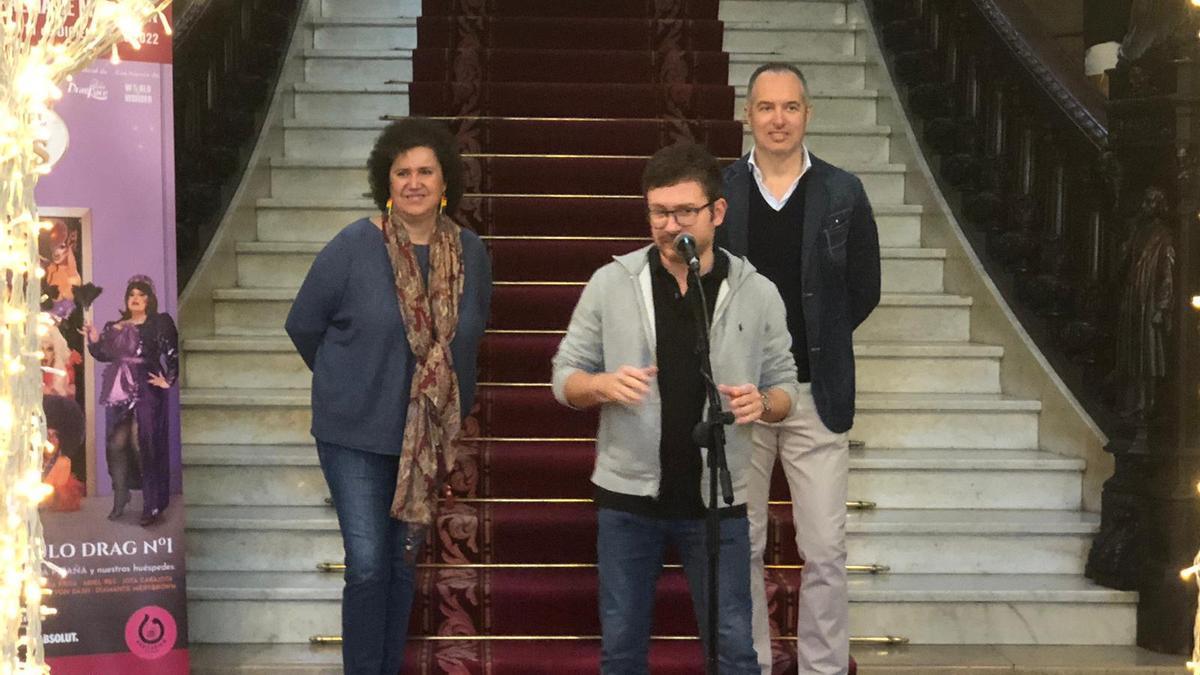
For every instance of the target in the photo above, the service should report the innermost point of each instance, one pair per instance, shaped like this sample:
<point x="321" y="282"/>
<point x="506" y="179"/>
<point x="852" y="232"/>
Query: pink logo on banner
<point x="150" y="632"/>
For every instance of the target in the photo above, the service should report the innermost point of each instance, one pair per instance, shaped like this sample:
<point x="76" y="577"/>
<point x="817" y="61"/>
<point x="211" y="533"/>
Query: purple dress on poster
<point x="138" y="438"/>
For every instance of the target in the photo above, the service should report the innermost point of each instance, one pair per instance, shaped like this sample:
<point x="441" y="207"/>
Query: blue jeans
<point x="380" y="583"/>
<point x="630" y="549"/>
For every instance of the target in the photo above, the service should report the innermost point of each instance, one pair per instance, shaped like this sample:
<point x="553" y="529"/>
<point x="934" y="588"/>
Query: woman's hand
<point x="90" y="332"/>
<point x="159" y="381"/>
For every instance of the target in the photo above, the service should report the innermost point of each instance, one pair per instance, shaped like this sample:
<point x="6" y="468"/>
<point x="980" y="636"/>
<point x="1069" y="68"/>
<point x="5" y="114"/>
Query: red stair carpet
<point x="556" y="105"/>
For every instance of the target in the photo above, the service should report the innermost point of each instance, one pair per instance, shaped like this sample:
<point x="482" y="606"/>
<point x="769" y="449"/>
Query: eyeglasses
<point x="684" y="215"/>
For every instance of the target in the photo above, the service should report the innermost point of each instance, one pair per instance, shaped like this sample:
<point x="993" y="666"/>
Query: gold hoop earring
<point x="442" y="205"/>
<point x="389" y="208"/>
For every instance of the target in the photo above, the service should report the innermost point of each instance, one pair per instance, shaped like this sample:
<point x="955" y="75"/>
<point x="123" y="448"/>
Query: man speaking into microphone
<point x="632" y="348"/>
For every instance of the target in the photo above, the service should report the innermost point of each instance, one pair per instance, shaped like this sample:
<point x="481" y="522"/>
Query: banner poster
<point x="110" y="387"/>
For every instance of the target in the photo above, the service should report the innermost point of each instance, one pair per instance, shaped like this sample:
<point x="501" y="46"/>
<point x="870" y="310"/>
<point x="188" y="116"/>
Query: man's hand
<point x="745" y="402"/>
<point x="627" y="386"/>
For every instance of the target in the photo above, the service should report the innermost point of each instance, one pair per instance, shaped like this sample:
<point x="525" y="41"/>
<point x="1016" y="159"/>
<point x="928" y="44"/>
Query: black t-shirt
<point x="683" y="396"/>
<point x="774" y="246"/>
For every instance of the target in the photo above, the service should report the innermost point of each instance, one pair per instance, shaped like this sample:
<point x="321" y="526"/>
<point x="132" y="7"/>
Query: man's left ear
<point x="719" y="207"/>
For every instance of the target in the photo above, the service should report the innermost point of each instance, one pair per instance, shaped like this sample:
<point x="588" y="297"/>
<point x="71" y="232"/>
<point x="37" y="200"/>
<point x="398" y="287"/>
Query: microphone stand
<point x="710" y="433"/>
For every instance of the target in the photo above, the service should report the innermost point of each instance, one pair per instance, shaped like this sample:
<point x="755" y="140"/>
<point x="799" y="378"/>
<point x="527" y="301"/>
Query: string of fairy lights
<point x="42" y="43"/>
<point x="1193" y="665"/>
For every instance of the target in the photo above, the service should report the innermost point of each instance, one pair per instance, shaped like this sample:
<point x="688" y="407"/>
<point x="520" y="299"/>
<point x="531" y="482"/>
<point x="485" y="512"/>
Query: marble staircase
<point x="979" y="515"/>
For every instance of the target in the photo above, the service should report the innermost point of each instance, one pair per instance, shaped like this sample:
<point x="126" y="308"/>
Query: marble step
<point x="946" y="421"/>
<point x="819" y="45"/>
<point x="253" y="475"/>
<point x="966" y="368"/>
<point x="918" y="541"/>
<point x="832" y="139"/>
<point x="789" y="40"/>
<point x="900" y="317"/>
<point x="956" y="478"/>
<point x="993" y="609"/>
<point x="266" y="659"/>
<point x="910" y="421"/>
<point x="332" y="102"/>
<point x="385" y="58"/>
<point x="370" y="8"/>
<point x="676" y="655"/>
<point x="971" y="478"/>
<point x="882" y="366"/>
<point x="357" y="66"/>
<point x="318" y="221"/>
<point x="255" y="607"/>
<point x="284" y="265"/>
<point x="818" y="13"/>
<point x="823" y="72"/>
<point x="921" y="317"/>
<point x="562" y="602"/>
<point x="844" y="101"/>
<point x="364" y="32"/>
<point x="812" y="12"/>
<point x="346" y="179"/>
<point x="510" y="462"/>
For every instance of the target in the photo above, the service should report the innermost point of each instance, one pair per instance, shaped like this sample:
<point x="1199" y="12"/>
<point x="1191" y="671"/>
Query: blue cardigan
<point x="347" y="327"/>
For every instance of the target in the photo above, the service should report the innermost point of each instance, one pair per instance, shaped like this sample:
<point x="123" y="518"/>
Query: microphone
<point x="685" y="244"/>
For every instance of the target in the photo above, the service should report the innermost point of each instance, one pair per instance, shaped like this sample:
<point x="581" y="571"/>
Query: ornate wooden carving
<point x="1088" y="217"/>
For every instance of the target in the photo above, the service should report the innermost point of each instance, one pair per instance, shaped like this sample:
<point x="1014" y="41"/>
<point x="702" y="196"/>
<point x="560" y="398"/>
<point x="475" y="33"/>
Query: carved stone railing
<point x="1086" y="217"/>
<point x="227" y="60"/>
<point x="1020" y="143"/>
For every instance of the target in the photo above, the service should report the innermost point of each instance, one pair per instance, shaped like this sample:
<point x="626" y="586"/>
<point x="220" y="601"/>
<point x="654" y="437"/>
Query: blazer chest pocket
<point x="834" y="233"/>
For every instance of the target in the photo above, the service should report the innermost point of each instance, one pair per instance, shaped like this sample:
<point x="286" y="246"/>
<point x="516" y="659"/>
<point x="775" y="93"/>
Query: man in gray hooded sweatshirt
<point x="631" y="348"/>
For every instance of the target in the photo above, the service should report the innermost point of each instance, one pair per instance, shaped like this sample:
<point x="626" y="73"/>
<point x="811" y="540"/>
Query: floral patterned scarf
<point x="430" y="319"/>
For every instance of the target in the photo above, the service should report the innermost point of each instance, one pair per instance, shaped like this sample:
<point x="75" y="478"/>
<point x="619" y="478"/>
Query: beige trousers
<point x="816" y="462"/>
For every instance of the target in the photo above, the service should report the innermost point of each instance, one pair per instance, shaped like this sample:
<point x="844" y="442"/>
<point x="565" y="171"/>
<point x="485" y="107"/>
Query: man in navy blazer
<point x="808" y="227"/>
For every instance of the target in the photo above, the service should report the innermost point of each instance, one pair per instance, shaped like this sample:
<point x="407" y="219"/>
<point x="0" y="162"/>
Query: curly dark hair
<point x="148" y="290"/>
<point x="404" y="135"/>
<point x="682" y="162"/>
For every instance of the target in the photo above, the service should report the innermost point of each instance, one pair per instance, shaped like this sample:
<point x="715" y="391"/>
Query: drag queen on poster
<point x="142" y="353"/>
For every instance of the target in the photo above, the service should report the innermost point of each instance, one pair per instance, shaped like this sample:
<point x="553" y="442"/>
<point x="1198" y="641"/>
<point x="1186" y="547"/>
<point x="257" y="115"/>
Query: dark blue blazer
<point x="839" y="270"/>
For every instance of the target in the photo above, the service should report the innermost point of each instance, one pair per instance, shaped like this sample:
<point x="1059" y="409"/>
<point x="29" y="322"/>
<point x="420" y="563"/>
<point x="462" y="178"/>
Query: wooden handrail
<point x="1029" y="43"/>
<point x="1021" y="137"/>
<point x="227" y="61"/>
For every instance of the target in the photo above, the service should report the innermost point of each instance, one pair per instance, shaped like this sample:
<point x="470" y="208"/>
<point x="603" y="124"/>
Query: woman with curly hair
<point x="389" y="320"/>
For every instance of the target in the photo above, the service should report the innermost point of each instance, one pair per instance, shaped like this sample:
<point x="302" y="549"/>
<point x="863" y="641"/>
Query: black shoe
<point x="151" y="518"/>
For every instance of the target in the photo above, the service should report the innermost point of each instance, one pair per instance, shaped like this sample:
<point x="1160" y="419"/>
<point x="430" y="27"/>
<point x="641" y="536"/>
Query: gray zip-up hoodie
<point x="613" y="326"/>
